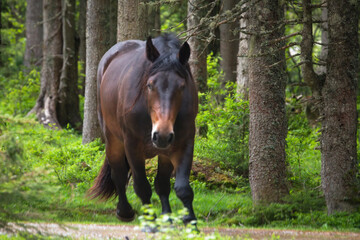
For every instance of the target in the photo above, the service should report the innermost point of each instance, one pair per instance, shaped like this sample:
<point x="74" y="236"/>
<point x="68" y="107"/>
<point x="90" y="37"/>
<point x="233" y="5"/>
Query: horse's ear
<point x="151" y="52"/>
<point x="184" y="53"/>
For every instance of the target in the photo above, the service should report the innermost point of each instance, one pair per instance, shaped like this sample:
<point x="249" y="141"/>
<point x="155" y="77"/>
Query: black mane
<point x="168" y="46"/>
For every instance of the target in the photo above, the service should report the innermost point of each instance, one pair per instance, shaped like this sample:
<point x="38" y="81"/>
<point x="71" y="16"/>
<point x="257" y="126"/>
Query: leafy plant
<point x="12" y="36"/>
<point x="225" y="115"/>
<point x="76" y="163"/>
<point x="20" y="93"/>
<point x="171" y="226"/>
<point x="302" y="149"/>
<point x="172" y="16"/>
<point x="11" y="158"/>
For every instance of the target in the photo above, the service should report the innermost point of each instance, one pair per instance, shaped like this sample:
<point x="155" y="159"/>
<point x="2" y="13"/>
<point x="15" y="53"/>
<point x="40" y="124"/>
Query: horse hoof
<point x="188" y="219"/>
<point x="127" y="218"/>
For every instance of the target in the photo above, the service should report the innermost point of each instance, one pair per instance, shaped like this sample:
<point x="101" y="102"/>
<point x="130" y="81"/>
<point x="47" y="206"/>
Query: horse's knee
<point x="162" y="186"/>
<point x="186" y="195"/>
<point x="184" y="192"/>
<point x="143" y="190"/>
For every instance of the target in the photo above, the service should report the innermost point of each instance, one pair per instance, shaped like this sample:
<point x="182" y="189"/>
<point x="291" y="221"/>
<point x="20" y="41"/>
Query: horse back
<point x="118" y="51"/>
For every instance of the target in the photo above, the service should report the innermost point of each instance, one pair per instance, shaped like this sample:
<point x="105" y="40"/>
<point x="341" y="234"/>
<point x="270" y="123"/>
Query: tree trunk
<point x="311" y="78"/>
<point x="113" y="11"/>
<point x="229" y="44"/>
<point x="314" y="104"/>
<point x="339" y="124"/>
<point x="96" y="46"/>
<point x="198" y="56"/>
<point x="242" y="78"/>
<point x="154" y="24"/>
<point x="132" y="20"/>
<point x="45" y="107"/>
<point x="268" y="126"/>
<point x="324" y="40"/>
<point x="68" y="104"/>
<point x="34" y="33"/>
<point x="82" y="43"/>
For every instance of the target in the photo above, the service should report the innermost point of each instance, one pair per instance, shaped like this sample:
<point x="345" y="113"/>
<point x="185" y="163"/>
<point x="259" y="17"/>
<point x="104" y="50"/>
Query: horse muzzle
<point x="162" y="140"/>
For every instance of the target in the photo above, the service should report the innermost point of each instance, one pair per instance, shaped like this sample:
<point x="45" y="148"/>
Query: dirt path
<point x="98" y="231"/>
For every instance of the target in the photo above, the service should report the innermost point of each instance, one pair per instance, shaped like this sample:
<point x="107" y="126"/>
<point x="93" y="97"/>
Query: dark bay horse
<point x="147" y="104"/>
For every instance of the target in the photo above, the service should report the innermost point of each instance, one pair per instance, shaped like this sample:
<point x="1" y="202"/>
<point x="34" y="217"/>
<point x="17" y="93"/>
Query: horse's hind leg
<point x="119" y="173"/>
<point x="162" y="182"/>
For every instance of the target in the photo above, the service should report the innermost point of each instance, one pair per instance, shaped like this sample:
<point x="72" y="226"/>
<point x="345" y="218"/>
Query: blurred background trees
<point x="276" y="86"/>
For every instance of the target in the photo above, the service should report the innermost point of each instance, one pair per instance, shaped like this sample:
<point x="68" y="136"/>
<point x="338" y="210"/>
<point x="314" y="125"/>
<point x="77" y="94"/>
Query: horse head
<point x="165" y="87"/>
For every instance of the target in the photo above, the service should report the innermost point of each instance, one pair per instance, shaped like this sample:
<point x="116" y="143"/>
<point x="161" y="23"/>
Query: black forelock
<point x="168" y="62"/>
<point x="167" y="43"/>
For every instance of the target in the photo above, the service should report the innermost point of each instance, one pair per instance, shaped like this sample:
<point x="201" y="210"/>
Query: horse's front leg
<point x="162" y="182"/>
<point x="182" y="160"/>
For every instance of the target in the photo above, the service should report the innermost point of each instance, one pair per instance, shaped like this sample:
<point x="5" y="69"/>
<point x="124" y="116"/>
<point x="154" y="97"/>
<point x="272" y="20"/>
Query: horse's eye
<point x="149" y="86"/>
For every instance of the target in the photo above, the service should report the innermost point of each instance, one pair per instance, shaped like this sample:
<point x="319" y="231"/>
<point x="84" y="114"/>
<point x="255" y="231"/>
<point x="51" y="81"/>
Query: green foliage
<point x="226" y="117"/>
<point x="18" y="89"/>
<point x="11" y="157"/>
<point x="76" y="163"/>
<point x="12" y="36"/>
<point x="37" y="186"/>
<point x="53" y="180"/>
<point x="303" y="209"/>
<point x="61" y="151"/>
<point x="302" y="149"/>
<point x="20" y="93"/>
<point x="170" y="226"/>
<point x="172" y="16"/>
<point x="44" y="174"/>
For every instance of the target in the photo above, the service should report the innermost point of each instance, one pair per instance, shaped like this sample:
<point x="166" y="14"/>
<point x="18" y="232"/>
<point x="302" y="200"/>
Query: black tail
<point x="103" y="187"/>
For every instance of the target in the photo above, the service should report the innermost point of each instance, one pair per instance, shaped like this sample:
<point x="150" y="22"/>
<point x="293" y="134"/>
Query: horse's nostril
<point x="171" y="138"/>
<point x="155" y="136"/>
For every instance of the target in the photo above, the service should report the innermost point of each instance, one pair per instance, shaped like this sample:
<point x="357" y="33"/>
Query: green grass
<point x="45" y="175"/>
<point x="47" y="189"/>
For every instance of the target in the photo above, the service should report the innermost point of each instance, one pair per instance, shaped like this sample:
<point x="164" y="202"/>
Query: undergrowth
<point x="225" y="115"/>
<point x="46" y="173"/>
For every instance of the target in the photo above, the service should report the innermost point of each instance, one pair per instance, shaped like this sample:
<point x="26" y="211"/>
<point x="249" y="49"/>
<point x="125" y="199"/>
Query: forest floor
<point x="101" y="231"/>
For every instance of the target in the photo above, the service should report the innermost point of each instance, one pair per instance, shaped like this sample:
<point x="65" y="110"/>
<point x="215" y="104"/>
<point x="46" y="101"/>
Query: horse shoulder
<point x="117" y="50"/>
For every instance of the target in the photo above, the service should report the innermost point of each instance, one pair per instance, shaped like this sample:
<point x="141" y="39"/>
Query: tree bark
<point x="113" y="11"/>
<point x="324" y="40"/>
<point x="154" y="23"/>
<point x="311" y="78"/>
<point x="68" y="104"/>
<point x="82" y="43"/>
<point x="132" y="20"/>
<point x="45" y="107"/>
<point x="268" y="126"/>
<point x="242" y="78"/>
<point x="96" y="46"/>
<point x="229" y="44"/>
<point x="34" y="33"/>
<point x="198" y="55"/>
<point x="339" y="124"/>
